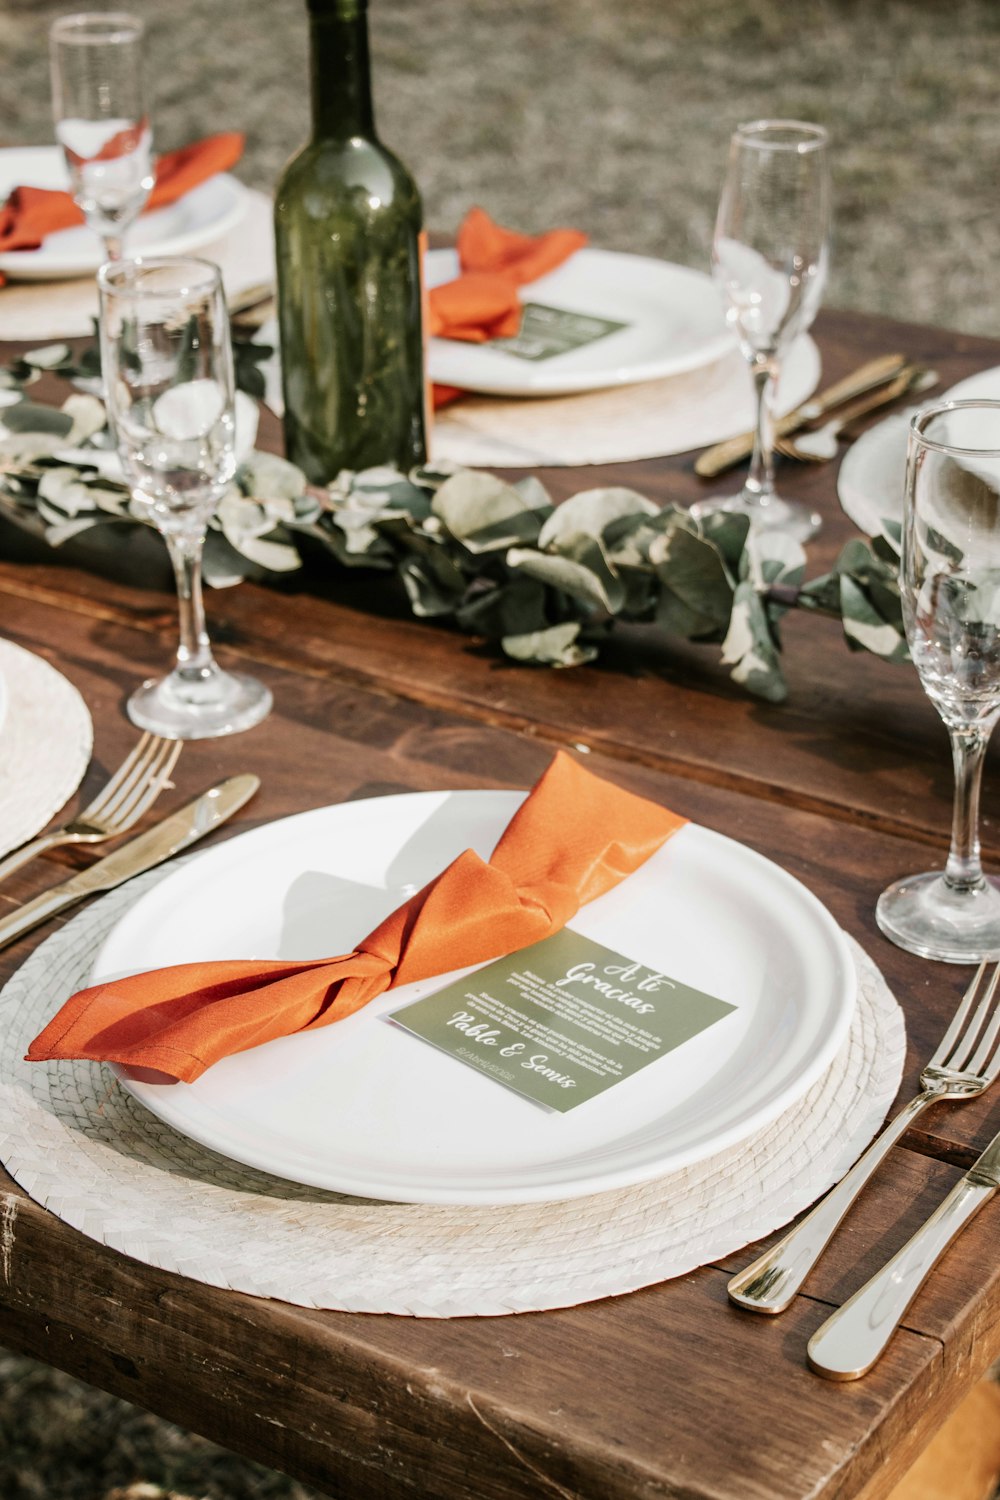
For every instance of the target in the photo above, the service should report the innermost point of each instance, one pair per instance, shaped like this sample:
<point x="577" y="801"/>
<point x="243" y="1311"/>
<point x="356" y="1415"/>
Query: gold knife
<point x="856" y="1335"/>
<point x="168" y="837"/>
<point x="875" y="373"/>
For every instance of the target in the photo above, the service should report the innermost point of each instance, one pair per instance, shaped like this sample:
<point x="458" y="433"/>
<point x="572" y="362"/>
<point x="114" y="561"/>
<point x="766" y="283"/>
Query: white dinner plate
<point x="202" y="215"/>
<point x="872" y="477"/>
<point x="672" y="315"/>
<point x="362" y="1107"/>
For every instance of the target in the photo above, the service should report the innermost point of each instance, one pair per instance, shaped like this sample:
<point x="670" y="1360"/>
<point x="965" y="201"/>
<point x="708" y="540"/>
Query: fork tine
<point x="147" y="790"/>
<point x="951" y="1036"/>
<point x="988" y="1042"/>
<point x="135" y="780"/>
<point x="963" y="1048"/>
<point x="98" y="806"/>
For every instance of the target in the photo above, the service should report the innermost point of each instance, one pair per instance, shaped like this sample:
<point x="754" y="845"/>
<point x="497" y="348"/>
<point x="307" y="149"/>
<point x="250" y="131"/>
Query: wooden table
<point x="668" y="1392"/>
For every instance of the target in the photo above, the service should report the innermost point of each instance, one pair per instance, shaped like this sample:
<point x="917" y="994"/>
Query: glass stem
<point x="113" y="246"/>
<point x="964" y="871"/>
<point x="194" y="654"/>
<point x="759" y="483"/>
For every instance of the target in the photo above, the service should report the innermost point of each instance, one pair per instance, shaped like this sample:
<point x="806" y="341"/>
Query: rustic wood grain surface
<point x="669" y="1392"/>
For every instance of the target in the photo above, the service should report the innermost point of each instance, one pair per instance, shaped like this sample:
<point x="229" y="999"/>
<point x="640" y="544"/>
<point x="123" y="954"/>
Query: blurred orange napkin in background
<point x="574" y="837"/>
<point x="482" y="303"/>
<point x="31" y="213"/>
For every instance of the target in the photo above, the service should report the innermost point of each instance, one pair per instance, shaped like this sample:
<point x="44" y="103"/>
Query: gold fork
<point x="819" y="444"/>
<point x="132" y="789"/>
<point x="966" y="1062"/>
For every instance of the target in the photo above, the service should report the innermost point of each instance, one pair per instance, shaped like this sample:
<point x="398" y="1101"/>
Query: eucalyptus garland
<point x="547" y="582"/>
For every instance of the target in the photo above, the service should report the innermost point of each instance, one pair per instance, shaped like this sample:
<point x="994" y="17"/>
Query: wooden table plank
<point x="476" y="1408"/>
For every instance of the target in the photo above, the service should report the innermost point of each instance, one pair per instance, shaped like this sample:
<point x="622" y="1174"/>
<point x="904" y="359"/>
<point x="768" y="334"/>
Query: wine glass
<point x="769" y="258"/>
<point x="950" y="583"/>
<point x="100" y="119"/>
<point x="167" y="365"/>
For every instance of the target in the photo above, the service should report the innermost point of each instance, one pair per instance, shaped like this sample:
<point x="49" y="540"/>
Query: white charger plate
<point x="202" y="215"/>
<point x="673" y="315"/>
<point x="46" y="737"/>
<point x="361" y="1107"/>
<point x="872" y="477"/>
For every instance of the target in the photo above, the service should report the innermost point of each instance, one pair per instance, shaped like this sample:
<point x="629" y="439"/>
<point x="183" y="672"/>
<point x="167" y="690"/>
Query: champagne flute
<point x="167" y="364"/>
<point x="950" y="583"/>
<point x="769" y="257"/>
<point x="100" y="119"/>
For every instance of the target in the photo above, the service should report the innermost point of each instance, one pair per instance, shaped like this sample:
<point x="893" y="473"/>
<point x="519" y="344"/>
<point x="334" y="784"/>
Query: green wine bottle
<point x="348" y="247"/>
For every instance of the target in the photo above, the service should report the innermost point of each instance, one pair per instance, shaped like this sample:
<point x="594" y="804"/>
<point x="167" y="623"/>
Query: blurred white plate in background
<point x="201" y="216"/>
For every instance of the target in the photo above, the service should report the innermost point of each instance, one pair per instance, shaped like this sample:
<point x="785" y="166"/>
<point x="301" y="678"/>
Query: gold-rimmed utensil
<point x="873" y="373"/>
<point x="854" y="1337"/>
<point x="175" y="832"/>
<point x="817" y="445"/>
<point x="118" y="806"/>
<point x="965" y="1063"/>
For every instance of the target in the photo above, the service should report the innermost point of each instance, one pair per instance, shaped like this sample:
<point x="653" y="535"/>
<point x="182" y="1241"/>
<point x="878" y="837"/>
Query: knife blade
<point x="166" y="838"/>
<point x="849" y="1342"/>
<point x="874" y="373"/>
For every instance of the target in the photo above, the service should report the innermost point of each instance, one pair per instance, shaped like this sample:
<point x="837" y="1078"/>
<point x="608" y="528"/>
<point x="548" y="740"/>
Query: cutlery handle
<point x="850" y="1342"/>
<point x="34" y="912"/>
<point x="874" y="399"/>
<point x="724" y="455"/>
<point x="25" y="854"/>
<point x="770" y="1282"/>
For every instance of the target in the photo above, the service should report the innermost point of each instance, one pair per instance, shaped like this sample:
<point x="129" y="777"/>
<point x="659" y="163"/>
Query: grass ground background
<point x="610" y="116"/>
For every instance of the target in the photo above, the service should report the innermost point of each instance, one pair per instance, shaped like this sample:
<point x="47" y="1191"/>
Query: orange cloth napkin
<point x="483" y="303"/>
<point x="574" y="837"/>
<point x="31" y="213"/>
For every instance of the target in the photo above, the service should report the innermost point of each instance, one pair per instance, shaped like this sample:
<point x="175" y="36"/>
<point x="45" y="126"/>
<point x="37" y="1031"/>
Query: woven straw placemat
<point x="45" y="742"/>
<point x="85" y="1150"/>
<point x="66" y="309"/>
<point x="620" y="424"/>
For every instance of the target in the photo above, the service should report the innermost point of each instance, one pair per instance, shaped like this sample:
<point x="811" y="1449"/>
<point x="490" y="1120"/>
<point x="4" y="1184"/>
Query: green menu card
<point x="547" y="331"/>
<point x="561" y="1021"/>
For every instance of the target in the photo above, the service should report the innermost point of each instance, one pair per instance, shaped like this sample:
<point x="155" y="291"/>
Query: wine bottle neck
<point x="341" y="72"/>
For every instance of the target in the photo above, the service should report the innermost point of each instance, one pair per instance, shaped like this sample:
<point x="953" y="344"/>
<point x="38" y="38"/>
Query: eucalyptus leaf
<point x="57" y="535"/>
<point x="48" y="358"/>
<point x="485" y="514"/>
<point x="30" y="417"/>
<point x="87" y="414"/>
<point x="429" y="594"/>
<point x="62" y="488"/>
<point x="593" y="513"/>
<point x="578" y="579"/>
<point x="750" y="649"/>
<point x="496" y="557"/>
<point x="222" y="566"/>
<point x="515" y="607"/>
<point x="266" y="476"/>
<point x="558" y="646"/>
<point x="728" y="532"/>
<point x="696" y="593"/>
<point x="864" y="627"/>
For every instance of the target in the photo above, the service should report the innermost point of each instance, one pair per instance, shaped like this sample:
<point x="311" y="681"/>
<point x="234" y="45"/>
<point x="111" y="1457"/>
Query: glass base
<point x="925" y="915"/>
<point x="201" y="707"/>
<point x="766" y="512"/>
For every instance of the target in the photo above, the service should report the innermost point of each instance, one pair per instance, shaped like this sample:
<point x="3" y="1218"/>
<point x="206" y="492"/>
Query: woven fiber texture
<point x="86" y="1151"/>
<point x="45" y="742"/>
<point x="619" y="424"/>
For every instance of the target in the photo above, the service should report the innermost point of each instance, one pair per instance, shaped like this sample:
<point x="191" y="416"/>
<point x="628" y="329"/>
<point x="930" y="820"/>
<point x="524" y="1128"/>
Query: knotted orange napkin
<point x="574" y="837"/>
<point x="32" y="213"/>
<point x="483" y="303"/>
